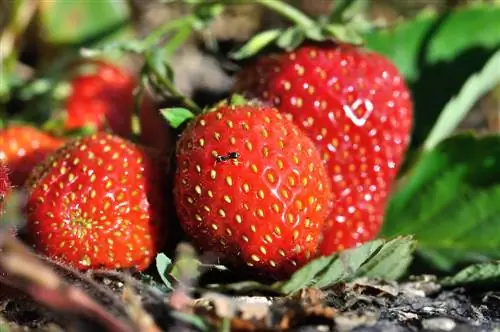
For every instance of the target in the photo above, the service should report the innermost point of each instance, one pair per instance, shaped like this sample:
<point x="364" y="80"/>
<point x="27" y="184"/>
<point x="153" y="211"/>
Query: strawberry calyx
<point x="177" y="116"/>
<point x="332" y="27"/>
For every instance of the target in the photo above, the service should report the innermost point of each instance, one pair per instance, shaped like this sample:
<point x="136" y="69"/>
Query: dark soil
<point x="364" y="305"/>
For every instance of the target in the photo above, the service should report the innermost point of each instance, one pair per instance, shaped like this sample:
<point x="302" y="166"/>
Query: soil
<point x="362" y="305"/>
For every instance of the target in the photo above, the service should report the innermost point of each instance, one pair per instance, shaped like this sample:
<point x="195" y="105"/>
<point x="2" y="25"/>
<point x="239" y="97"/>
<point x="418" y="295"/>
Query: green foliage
<point x="449" y="200"/>
<point x="176" y="116"/>
<point x="255" y="44"/>
<point x="437" y="53"/>
<point x="163" y="267"/>
<point x="379" y="258"/>
<point x="456" y="109"/>
<point x="478" y="274"/>
<point x="82" y="22"/>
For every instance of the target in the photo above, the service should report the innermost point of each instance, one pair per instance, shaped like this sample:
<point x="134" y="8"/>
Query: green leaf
<point x="186" y="267"/>
<point x="437" y="53"/>
<point x="237" y="100"/>
<point x="379" y="258"/>
<point x="176" y="116"/>
<point x="445" y="260"/>
<point x="205" y="13"/>
<point x="256" y="44"/>
<point x="291" y="38"/>
<point x="456" y="109"/>
<point x="82" y="22"/>
<point x="338" y="31"/>
<point x="477" y="274"/>
<point x="163" y="266"/>
<point x="347" y="264"/>
<point x="449" y="200"/>
<point x="391" y="261"/>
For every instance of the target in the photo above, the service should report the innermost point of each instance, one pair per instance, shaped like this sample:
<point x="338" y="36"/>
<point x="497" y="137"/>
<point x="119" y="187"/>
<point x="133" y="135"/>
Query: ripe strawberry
<point x="155" y="131"/>
<point x="250" y="186"/>
<point x="102" y="98"/>
<point x="96" y="202"/>
<point x="23" y="147"/>
<point x="357" y="108"/>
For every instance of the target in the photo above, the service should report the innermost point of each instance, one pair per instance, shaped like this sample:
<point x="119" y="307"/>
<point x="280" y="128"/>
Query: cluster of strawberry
<point x="302" y="169"/>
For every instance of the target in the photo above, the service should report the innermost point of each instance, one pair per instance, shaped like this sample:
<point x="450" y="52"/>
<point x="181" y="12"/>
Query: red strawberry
<point x="155" y="131"/>
<point x="250" y="186"/>
<point x="102" y="98"/>
<point x="97" y="203"/>
<point x="23" y="147"/>
<point x="357" y="108"/>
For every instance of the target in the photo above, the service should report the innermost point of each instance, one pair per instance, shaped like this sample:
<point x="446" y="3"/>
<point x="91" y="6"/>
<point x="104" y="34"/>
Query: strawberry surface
<point x="357" y="108"/>
<point x="22" y="147"/>
<point x="251" y="187"/>
<point x="155" y="131"/>
<point x="103" y="98"/>
<point x="96" y="203"/>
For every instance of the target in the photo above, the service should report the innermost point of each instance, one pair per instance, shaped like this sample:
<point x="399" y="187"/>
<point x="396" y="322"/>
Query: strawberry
<point x="155" y="131"/>
<point x="250" y="186"/>
<point x="96" y="203"/>
<point x="357" y="108"/>
<point x="102" y="98"/>
<point x="22" y="147"/>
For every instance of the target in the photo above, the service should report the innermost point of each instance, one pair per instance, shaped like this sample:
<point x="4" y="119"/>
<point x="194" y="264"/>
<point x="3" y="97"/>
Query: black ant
<point x="229" y="156"/>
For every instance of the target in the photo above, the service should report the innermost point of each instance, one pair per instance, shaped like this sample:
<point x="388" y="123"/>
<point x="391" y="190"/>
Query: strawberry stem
<point x="178" y="39"/>
<point x="288" y="11"/>
<point x="338" y="10"/>
<point x="170" y="87"/>
<point x="156" y="35"/>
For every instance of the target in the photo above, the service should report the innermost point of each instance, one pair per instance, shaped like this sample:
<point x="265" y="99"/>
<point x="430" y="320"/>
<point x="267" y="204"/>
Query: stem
<point x="170" y="87"/>
<point x="338" y="10"/>
<point x="178" y="39"/>
<point x="153" y="37"/>
<point x="288" y="11"/>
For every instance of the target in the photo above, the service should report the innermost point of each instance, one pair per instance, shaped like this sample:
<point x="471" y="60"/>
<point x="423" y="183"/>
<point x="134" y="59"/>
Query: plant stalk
<point x="170" y="87"/>
<point x="288" y="11"/>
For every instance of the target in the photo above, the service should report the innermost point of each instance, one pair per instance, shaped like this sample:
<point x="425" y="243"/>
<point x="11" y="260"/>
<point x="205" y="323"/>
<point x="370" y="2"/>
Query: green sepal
<point x="256" y="44"/>
<point x="176" y="116"/>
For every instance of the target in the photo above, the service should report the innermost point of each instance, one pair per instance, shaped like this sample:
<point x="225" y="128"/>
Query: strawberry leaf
<point x="80" y="23"/>
<point x="477" y="274"/>
<point x="176" y="116"/>
<point x="456" y="109"/>
<point x="255" y="44"/>
<point x="291" y="38"/>
<point x="437" y="53"/>
<point x="237" y="100"/>
<point x="163" y="266"/>
<point x="379" y="258"/>
<point x="449" y="200"/>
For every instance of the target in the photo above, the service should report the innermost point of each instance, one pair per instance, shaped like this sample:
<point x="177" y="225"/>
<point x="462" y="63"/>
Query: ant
<point x="229" y="156"/>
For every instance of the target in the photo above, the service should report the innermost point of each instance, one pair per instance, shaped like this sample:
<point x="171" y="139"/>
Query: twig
<point x="36" y="279"/>
<point x="84" y="279"/>
<point x="136" y="284"/>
